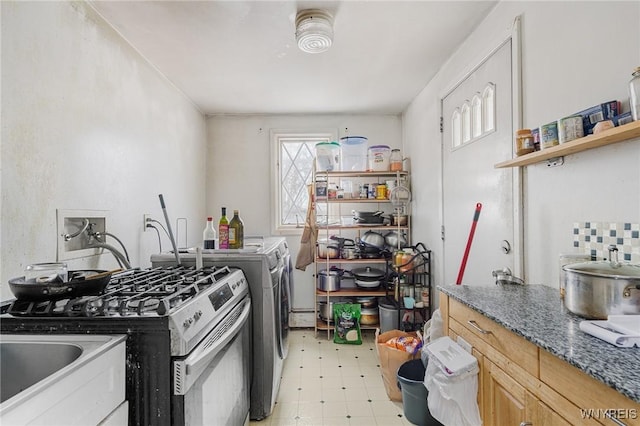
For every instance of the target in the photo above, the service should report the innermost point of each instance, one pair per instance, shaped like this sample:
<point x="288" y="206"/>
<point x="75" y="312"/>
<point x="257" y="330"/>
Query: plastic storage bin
<point x="379" y="158"/>
<point x="327" y="156"/>
<point x="353" y="153"/>
<point x="388" y="316"/>
<point x="415" y="394"/>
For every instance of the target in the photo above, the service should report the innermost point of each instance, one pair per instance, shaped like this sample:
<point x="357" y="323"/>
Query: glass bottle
<point x="634" y="94"/>
<point x="236" y="232"/>
<point x="396" y="160"/>
<point x="209" y="235"/>
<point x="223" y="230"/>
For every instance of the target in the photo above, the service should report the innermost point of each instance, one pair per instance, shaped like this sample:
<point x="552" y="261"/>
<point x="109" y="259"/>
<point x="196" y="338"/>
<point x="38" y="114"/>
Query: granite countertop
<point x="537" y="313"/>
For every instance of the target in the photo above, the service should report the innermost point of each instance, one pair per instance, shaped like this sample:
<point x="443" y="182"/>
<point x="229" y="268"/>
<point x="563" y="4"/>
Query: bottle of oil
<point x="209" y="235"/>
<point x="236" y="232"/>
<point x="223" y="230"/>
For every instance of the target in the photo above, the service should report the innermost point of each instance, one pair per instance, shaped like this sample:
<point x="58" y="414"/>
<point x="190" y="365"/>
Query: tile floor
<point x="329" y="384"/>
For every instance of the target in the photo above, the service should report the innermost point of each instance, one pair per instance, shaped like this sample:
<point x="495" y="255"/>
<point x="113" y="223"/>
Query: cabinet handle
<point x="526" y="424"/>
<point x="475" y="325"/>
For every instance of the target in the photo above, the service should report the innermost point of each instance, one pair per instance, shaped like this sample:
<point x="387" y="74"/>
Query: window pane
<point x="476" y="116"/>
<point x="296" y="166"/>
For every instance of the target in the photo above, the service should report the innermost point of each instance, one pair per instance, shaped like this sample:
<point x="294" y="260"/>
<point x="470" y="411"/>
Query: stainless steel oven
<point x="212" y="383"/>
<point x="188" y="342"/>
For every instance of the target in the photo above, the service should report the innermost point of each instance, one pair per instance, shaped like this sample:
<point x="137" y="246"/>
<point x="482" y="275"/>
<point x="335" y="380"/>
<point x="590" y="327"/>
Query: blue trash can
<point x="414" y="393"/>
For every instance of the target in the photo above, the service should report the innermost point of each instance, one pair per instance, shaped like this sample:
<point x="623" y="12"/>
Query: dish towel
<point x="309" y="235"/>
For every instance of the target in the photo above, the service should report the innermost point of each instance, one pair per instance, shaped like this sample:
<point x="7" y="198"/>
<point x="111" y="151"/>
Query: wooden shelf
<point x="363" y="228"/>
<point x="350" y="292"/>
<point x="323" y="325"/>
<point x="352" y="200"/>
<point x="611" y="136"/>
<point x="362" y="174"/>
<point x="320" y="261"/>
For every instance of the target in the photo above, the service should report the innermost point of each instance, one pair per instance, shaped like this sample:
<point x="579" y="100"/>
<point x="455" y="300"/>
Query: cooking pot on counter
<point x="597" y="289"/>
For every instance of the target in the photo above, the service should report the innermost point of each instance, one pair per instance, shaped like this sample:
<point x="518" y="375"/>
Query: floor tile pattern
<point x="328" y="384"/>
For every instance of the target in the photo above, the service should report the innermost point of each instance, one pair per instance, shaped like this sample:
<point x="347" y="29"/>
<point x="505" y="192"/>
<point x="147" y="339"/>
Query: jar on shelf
<point x="524" y="142"/>
<point x="634" y="94"/>
<point x="395" y="160"/>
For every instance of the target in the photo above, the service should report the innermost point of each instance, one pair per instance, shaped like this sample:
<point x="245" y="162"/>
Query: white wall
<point x="239" y="166"/>
<point x="87" y="123"/>
<point x="574" y="55"/>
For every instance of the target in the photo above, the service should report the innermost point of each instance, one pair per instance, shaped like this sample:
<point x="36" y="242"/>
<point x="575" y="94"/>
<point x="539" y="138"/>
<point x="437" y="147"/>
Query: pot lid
<point x="368" y="272"/>
<point x="606" y="269"/>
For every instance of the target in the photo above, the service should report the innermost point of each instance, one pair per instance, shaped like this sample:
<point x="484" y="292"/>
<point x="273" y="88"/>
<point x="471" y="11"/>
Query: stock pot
<point x="598" y="289"/>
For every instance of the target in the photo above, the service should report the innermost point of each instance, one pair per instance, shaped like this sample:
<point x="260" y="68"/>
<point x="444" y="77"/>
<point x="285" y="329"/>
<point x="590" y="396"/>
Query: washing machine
<point x="266" y="263"/>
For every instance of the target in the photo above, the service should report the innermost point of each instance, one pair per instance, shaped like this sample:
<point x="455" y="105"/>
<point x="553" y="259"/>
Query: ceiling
<point x="241" y="57"/>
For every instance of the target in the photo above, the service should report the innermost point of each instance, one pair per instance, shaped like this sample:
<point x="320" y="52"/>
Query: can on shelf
<point x="549" y="135"/>
<point x="570" y="128"/>
<point x="381" y="192"/>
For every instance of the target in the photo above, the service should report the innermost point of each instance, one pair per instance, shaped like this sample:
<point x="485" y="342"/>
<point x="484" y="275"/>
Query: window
<point x="474" y="119"/>
<point x="294" y="154"/>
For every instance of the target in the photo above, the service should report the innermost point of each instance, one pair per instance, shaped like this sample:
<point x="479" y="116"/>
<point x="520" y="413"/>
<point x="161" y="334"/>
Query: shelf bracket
<point x="555" y="161"/>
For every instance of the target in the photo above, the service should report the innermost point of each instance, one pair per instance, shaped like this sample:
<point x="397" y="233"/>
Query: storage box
<point x="591" y="116"/>
<point x="622" y="119"/>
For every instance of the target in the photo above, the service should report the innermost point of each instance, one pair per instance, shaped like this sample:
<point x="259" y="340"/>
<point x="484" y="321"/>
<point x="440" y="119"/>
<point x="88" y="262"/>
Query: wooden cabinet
<point x="522" y="384"/>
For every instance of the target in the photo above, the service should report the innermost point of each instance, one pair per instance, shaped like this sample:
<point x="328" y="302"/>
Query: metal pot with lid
<point x="368" y="277"/>
<point x="602" y="288"/>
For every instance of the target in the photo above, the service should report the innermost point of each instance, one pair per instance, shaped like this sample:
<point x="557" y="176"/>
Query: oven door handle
<point x="186" y="371"/>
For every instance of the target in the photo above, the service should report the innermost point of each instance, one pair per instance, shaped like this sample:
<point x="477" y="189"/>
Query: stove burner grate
<point x="132" y="293"/>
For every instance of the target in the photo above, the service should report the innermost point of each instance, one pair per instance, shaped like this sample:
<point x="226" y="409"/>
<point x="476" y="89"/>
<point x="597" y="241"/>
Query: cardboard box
<point x="622" y="119"/>
<point x="591" y="116"/>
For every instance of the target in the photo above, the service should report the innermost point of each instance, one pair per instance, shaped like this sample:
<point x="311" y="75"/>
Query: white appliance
<point x="266" y="262"/>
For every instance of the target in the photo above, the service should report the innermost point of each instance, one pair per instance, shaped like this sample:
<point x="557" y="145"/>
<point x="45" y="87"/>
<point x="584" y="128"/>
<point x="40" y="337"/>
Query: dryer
<point x="266" y="263"/>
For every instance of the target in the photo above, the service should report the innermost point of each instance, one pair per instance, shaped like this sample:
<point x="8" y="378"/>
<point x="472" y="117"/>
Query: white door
<point x="477" y="133"/>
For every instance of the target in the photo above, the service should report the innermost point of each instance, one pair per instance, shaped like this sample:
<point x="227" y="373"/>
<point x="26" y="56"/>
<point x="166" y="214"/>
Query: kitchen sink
<point x="60" y="379"/>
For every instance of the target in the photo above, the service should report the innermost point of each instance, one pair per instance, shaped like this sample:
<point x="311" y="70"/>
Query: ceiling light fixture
<point x="314" y="30"/>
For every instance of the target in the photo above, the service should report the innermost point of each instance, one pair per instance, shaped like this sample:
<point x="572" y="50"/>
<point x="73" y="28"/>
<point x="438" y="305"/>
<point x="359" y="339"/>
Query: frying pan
<point x="81" y="283"/>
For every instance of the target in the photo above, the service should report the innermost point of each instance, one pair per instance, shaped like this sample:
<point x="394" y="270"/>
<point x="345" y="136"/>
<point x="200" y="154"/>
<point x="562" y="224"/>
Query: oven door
<point x="212" y="384"/>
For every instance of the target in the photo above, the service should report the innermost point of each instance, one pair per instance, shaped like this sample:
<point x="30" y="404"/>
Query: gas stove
<point x="168" y="314"/>
<point x="191" y="299"/>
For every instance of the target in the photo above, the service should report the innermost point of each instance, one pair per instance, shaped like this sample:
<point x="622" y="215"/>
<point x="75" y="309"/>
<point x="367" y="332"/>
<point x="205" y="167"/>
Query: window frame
<point x="277" y="138"/>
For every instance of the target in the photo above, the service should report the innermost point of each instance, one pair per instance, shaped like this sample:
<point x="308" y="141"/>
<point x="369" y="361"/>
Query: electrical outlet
<point x="146" y="218"/>
<point x="72" y="236"/>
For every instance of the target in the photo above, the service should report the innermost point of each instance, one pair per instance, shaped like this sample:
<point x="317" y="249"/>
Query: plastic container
<point x="388" y="317"/>
<point x="327" y="156"/>
<point x="395" y="160"/>
<point x="414" y="393"/>
<point x="379" y="158"/>
<point x="353" y="153"/>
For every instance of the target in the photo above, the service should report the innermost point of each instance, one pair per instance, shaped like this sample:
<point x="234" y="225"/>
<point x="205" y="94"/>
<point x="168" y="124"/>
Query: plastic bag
<point x="408" y="344"/>
<point x="347" y="320"/>
<point x="452" y="400"/>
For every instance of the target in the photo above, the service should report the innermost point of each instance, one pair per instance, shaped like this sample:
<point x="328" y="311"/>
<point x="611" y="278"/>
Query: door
<point x="505" y="400"/>
<point x="477" y="133"/>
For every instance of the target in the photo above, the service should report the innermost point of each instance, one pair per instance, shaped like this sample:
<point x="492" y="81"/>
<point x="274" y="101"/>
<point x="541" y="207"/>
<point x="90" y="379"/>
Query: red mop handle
<point x="476" y="215"/>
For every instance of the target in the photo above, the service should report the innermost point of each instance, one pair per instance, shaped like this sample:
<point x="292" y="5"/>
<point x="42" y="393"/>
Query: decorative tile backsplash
<point x="594" y="238"/>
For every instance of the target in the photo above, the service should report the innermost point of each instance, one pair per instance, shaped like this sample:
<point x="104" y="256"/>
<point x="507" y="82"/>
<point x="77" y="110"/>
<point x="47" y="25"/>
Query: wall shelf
<point x="611" y="136"/>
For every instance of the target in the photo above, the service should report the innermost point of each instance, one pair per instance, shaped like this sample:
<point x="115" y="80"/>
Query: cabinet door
<point x="542" y="415"/>
<point x="504" y="399"/>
